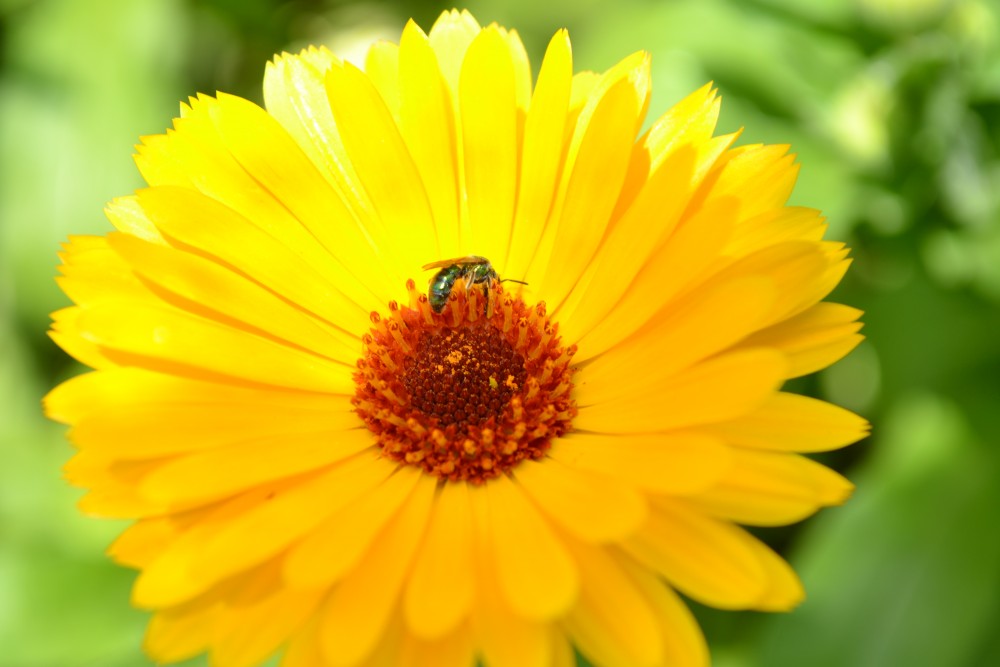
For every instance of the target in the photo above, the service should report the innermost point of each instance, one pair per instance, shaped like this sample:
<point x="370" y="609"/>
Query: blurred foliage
<point x="894" y="110"/>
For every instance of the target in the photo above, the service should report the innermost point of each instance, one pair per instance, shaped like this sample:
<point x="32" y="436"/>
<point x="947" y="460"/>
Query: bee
<point x="474" y="270"/>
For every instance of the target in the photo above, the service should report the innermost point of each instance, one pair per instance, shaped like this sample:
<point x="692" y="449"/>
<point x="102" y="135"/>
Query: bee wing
<point x="440" y="264"/>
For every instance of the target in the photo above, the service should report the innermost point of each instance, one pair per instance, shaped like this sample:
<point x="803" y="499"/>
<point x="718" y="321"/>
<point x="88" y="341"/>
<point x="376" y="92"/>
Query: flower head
<point x="325" y="458"/>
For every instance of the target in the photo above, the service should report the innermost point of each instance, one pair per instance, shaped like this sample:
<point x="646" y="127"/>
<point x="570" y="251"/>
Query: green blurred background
<point x="894" y="109"/>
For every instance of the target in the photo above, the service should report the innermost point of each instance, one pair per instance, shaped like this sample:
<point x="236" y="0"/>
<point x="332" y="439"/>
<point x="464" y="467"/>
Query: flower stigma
<point x="468" y="393"/>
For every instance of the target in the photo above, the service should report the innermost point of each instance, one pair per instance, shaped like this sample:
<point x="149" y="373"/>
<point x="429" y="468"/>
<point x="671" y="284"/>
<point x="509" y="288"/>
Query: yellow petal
<point x="92" y="273"/>
<point x="119" y="503"/>
<point x="163" y="338"/>
<point x="698" y="326"/>
<point x="124" y="390"/>
<point x="168" y="580"/>
<point x="784" y="591"/>
<point x="536" y="259"/>
<point x="536" y="574"/>
<point x="761" y="177"/>
<point x="798" y="270"/>
<point x="109" y="476"/>
<point x="182" y="632"/>
<point x="145" y="539"/>
<point x="599" y="159"/>
<point x="127" y="216"/>
<point x="304" y="647"/>
<point x="208" y="289"/>
<point x="389" y="174"/>
<point x="65" y="334"/>
<point x="234" y="151"/>
<point x="252" y="628"/>
<point x="295" y="270"/>
<point x="690" y="121"/>
<point x="388" y="651"/>
<point x="427" y="123"/>
<point x="271" y="157"/>
<point x="225" y="539"/>
<point x="336" y="547"/>
<point x="504" y="637"/>
<point x="592" y="507"/>
<point x="382" y="68"/>
<point x="160" y="162"/>
<point x="705" y="558"/>
<point x="508" y="640"/>
<point x="113" y="487"/>
<point x="651" y="215"/>
<point x="295" y="94"/>
<point x="359" y="608"/>
<point x="287" y="515"/>
<point x="679" y="463"/>
<point x="543" y="151"/>
<point x="678" y="262"/>
<point x="63" y="404"/>
<point x="522" y="72"/>
<point x="563" y="654"/>
<point x="454" y="650"/>
<point x="790" y="223"/>
<point x="683" y="641"/>
<point x="716" y="390"/>
<point x="813" y="339"/>
<point x="612" y="622"/>
<point x="450" y="38"/>
<point x="584" y="84"/>
<point x="793" y="423"/>
<point x="204" y="476"/>
<point x="440" y="590"/>
<point x="487" y="100"/>
<point x="772" y="489"/>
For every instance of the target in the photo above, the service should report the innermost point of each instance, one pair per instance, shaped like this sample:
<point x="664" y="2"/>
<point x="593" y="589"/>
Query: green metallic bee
<point x="473" y="269"/>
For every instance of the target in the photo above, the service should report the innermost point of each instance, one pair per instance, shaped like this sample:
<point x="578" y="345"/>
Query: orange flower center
<point x="467" y="393"/>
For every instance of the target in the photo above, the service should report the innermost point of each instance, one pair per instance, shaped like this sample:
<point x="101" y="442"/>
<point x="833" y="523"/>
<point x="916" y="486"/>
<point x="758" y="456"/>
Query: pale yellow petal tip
<point x="275" y="64"/>
<point x="128" y="203"/>
<point x="645" y="63"/>
<point x="453" y="19"/>
<point x="284" y="56"/>
<point x="496" y="30"/>
<point x="636" y="69"/>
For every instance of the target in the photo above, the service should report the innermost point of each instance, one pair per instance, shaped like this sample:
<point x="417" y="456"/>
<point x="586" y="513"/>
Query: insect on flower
<point x="475" y="270"/>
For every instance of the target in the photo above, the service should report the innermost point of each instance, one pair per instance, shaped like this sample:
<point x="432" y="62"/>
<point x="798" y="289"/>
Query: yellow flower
<point x="323" y="462"/>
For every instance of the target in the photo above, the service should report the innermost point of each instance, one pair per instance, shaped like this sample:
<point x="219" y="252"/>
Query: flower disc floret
<point x="468" y="393"/>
